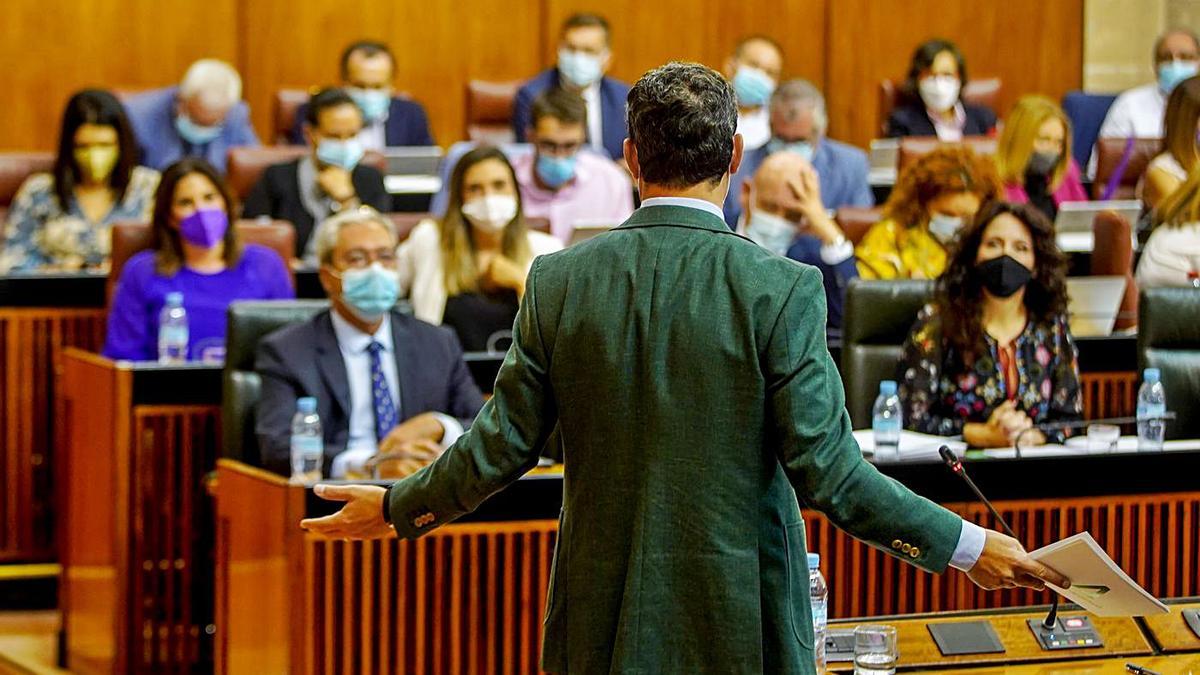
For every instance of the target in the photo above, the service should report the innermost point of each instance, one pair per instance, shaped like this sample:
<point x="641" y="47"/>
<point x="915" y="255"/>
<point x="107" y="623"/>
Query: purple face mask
<point x="205" y="227"/>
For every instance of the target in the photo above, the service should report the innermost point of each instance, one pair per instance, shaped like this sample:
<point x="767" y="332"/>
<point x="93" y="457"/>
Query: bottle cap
<point x="887" y="387"/>
<point x="814" y="561"/>
<point x="306" y="405"/>
<point x="1151" y="375"/>
<point x="175" y="298"/>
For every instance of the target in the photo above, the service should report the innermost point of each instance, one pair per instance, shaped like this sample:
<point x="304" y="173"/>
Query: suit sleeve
<point x="861" y="175"/>
<point x="806" y="406"/>
<point x="371" y="191"/>
<point x="522" y="118"/>
<point x="465" y="397"/>
<point x="502" y="444"/>
<point x="243" y="129"/>
<point x="896" y="127"/>
<point x="276" y="405"/>
<point x="420" y="126"/>
<point x="258" y="202"/>
<point x="296" y="133"/>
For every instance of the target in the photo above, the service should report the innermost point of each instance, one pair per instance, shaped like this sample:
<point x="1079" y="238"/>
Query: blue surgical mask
<point x="802" y="148"/>
<point x="579" y="68"/>
<point x="374" y="103"/>
<point x="1172" y="73"/>
<point x="944" y="227"/>
<point x="345" y="154"/>
<point x="194" y="133"/>
<point x="555" y="171"/>
<point x="753" y="86"/>
<point x="771" y="232"/>
<point x="370" y="292"/>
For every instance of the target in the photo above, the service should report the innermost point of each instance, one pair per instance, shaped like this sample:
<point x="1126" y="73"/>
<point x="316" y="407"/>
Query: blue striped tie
<point x="381" y="396"/>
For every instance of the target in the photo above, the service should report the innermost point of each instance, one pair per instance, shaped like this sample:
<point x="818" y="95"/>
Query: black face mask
<point x="1003" y="276"/>
<point x="1042" y="163"/>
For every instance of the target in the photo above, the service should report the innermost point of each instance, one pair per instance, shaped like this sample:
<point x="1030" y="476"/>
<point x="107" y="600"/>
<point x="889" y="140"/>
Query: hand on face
<point x="503" y="273"/>
<point x="335" y="182"/>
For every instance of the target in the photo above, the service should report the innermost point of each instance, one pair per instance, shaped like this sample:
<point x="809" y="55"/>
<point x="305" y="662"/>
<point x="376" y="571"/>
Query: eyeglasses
<point x="558" y="149"/>
<point x="357" y="258"/>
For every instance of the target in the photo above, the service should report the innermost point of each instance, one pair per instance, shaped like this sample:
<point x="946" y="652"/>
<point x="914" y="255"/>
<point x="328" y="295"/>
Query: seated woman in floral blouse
<point x="62" y="220"/>
<point x="993" y="356"/>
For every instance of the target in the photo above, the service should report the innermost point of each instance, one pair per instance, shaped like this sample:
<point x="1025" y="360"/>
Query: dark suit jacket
<point x="687" y="371"/>
<point x="406" y="124"/>
<point x="304" y="360"/>
<point x="912" y="120"/>
<point x="612" y="109"/>
<point x="277" y="194"/>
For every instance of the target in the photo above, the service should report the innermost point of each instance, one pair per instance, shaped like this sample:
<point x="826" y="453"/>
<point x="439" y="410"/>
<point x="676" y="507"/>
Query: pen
<point x="1138" y="670"/>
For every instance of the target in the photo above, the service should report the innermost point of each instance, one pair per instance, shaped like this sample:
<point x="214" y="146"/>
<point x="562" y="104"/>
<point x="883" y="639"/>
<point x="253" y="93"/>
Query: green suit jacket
<point x="687" y="371"/>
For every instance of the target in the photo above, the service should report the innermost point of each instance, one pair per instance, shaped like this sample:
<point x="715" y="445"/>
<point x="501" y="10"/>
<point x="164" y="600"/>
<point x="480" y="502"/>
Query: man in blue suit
<point x="798" y="123"/>
<point x="584" y="55"/>
<point x="367" y="69"/>
<point x="203" y="117"/>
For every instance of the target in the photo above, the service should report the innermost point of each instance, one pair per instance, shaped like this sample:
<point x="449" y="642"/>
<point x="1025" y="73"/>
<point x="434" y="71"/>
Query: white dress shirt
<point x="1137" y="113"/>
<point x="361" y="443"/>
<point x="374" y="135"/>
<point x="595" y="123"/>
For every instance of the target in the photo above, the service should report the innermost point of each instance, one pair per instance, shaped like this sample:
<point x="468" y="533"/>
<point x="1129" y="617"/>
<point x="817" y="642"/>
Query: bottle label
<point x="173" y="334"/>
<point x="308" y="445"/>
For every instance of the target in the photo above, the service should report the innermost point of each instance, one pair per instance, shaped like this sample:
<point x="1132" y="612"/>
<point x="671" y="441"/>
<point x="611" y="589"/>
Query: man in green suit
<point x="687" y="372"/>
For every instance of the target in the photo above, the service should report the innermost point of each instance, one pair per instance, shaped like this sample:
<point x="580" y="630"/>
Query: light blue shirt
<point x="361" y="443"/>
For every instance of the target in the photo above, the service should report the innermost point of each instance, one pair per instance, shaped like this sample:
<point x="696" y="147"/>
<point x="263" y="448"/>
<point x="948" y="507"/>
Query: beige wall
<point x="1118" y="39"/>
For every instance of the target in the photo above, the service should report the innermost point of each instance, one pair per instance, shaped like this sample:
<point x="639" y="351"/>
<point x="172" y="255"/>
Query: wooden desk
<point x="1166" y="665"/>
<point x="1171" y="631"/>
<point x="39" y="315"/>
<point x="136" y="522"/>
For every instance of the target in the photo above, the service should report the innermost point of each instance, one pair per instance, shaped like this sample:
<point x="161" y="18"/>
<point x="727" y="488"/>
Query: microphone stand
<point x="1082" y="424"/>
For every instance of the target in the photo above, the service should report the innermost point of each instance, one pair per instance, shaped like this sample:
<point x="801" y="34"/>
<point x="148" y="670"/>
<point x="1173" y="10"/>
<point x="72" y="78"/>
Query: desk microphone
<point x="956" y="466"/>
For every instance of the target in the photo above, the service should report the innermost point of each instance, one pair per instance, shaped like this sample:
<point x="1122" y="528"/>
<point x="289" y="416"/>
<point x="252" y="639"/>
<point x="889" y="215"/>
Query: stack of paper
<point x="1097" y="584"/>
<point x="913" y="446"/>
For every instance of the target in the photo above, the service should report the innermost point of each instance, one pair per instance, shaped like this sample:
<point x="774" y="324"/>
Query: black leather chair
<point x="1169" y="339"/>
<point x="250" y="322"/>
<point x="878" y="318"/>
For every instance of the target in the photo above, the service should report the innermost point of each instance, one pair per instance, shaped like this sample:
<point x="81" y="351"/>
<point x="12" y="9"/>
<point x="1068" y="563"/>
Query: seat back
<point x="131" y="238"/>
<point x="913" y="148"/>
<point x="1169" y="339"/>
<point x="984" y="92"/>
<point x="490" y="111"/>
<point x="248" y="324"/>
<point x="879" y="315"/>
<point x="246" y="164"/>
<point x="287" y="104"/>
<point x="1112" y="255"/>
<point x="1109" y="155"/>
<point x="1086" y="112"/>
<point x="15" y="167"/>
<point x="856" y="220"/>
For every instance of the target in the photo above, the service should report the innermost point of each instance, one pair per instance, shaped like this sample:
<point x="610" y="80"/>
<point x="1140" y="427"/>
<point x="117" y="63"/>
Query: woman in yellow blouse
<point x="928" y="206"/>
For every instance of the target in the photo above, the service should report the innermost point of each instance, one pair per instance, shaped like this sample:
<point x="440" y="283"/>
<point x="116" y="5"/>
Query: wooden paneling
<point x="1032" y="45"/>
<point x="845" y="46"/>
<point x="30" y="339"/>
<point x="1108" y="394"/>
<point x="51" y="49"/>
<point x="438" y="46"/>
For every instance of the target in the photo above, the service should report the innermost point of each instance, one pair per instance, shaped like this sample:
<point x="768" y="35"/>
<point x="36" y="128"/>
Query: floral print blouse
<point x="939" y="395"/>
<point x="40" y="235"/>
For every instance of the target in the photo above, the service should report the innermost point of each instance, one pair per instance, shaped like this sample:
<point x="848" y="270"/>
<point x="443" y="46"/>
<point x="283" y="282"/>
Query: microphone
<point x="1081" y="424"/>
<point x="957" y="467"/>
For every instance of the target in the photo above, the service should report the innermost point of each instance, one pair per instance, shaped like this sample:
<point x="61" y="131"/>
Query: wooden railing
<point x="1108" y="394"/>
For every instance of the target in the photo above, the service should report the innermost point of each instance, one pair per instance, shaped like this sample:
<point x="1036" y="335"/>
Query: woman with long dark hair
<point x="932" y="102"/>
<point x="993" y="355"/>
<point x="62" y="220"/>
<point x="195" y="252"/>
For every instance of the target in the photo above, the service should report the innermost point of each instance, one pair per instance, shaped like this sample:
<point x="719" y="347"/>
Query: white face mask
<point x="944" y="227"/>
<point x="939" y="92"/>
<point x="492" y="213"/>
<point x="770" y="231"/>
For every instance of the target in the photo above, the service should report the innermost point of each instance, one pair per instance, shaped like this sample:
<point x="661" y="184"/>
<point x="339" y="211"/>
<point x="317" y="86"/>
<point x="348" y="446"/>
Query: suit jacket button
<point x="915" y="552"/>
<point x="906" y="548"/>
<point x="896" y="544"/>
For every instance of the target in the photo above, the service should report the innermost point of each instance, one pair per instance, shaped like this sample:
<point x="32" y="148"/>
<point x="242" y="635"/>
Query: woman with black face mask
<point x="1033" y="157"/>
<point x="993" y="355"/>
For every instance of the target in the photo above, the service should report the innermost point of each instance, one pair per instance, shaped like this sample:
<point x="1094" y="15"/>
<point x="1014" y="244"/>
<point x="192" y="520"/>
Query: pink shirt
<point x="600" y="192"/>
<point x="1071" y="189"/>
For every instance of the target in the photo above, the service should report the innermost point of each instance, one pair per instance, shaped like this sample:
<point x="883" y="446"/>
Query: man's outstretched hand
<point x="1005" y="564"/>
<point x="360" y="518"/>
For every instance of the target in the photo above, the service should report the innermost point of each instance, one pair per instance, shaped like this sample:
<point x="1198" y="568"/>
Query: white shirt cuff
<point x="350" y="460"/>
<point x="451" y="429"/>
<point x="970" y="547"/>
<point x="835" y="254"/>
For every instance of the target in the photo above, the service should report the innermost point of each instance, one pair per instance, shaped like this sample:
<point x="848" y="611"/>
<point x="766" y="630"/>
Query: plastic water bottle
<point x="818" y="593"/>
<point x="886" y="421"/>
<point x="1151" y="403"/>
<point x="173" y="330"/>
<point x="308" y="445"/>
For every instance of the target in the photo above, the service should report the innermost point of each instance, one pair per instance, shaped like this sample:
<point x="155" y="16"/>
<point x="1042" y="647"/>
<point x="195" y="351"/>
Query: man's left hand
<point x="360" y="518"/>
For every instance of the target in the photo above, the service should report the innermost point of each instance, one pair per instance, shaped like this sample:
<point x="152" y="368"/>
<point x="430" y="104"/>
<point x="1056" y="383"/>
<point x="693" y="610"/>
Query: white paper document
<point x="913" y="446"/>
<point x="1097" y="583"/>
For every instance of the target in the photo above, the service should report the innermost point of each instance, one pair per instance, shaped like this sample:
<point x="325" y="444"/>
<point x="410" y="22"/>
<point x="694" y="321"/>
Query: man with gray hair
<point x="385" y="382"/>
<point x="203" y="117"/>
<point x="798" y="124"/>
<point x="687" y="374"/>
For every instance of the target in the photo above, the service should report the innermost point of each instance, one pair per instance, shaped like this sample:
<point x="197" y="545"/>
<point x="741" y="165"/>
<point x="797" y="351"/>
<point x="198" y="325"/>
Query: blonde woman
<point x="1172" y="253"/>
<point x="1181" y="125"/>
<point x="468" y="270"/>
<point x="1034" y="159"/>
